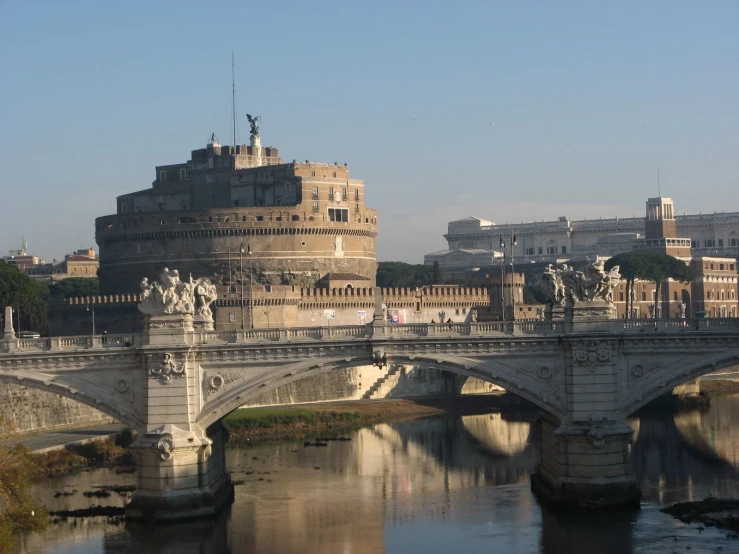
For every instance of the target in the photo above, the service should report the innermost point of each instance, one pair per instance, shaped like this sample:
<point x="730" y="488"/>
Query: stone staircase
<point x="377" y="384"/>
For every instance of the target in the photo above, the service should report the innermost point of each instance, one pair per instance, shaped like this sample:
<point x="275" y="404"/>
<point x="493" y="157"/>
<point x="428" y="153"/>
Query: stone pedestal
<point x="169" y="330"/>
<point x="202" y="323"/>
<point x="585" y="465"/>
<point x="8" y="332"/>
<point x="180" y="475"/>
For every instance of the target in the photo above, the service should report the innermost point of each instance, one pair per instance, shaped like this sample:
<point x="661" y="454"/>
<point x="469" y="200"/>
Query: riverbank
<point x="718" y="512"/>
<point x="718" y="387"/>
<point x="310" y="420"/>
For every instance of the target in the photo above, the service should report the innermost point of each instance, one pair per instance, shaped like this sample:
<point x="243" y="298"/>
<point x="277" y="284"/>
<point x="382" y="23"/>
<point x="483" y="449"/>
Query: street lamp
<point x="93" y="319"/>
<point x="513" y="276"/>
<point x="251" y="292"/>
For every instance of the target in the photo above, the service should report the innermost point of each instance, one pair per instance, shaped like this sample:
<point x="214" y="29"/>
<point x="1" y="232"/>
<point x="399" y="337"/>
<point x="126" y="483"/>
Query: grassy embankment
<point x="110" y="452"/>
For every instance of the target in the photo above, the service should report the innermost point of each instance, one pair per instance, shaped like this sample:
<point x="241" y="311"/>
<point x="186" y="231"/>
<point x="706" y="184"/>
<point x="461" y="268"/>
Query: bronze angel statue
<point x="254" y="122"/>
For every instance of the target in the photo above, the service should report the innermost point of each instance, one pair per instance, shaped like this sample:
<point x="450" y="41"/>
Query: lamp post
<point x="502" y="279"/>
<point x="513" y="276"/>
<point x="241" y="280"/>
<point x="251" y="291"/>
<point x="93" y="318"/>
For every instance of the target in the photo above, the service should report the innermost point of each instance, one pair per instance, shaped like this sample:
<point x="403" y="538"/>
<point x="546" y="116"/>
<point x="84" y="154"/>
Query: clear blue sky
<point x="509" y="111"/>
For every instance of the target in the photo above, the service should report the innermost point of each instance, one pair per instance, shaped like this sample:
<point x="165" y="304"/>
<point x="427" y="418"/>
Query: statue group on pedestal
<point x="565" y="284"/>
<point x="170" y="296"/>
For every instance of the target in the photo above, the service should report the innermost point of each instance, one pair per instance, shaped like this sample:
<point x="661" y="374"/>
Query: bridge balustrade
<point x="488" y="328"/>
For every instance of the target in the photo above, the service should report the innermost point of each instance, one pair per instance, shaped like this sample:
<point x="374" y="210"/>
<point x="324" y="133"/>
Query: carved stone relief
<point x="167" y="369"/>
<point x="592" y="354"/>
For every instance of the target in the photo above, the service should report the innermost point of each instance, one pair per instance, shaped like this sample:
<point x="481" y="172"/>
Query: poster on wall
<point x="329" y="314"/>
<point x="362" y="317"/>
<point x="396" y="316"/>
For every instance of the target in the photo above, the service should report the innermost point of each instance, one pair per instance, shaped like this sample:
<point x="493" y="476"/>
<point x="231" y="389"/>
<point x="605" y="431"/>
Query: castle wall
<point x="288" y="246"/>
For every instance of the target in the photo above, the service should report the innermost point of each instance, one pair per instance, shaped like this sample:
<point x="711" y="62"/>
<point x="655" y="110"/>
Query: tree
<point x="652" y="266"/>
<point x="436" y="273"/>
<point x="18" y="512"/>
<point x="632" y="267"/>
<point x="22" y="293"/>
<point x="399" y="274"/>
<point x="75" y="287"/>
<point x="660" y="267"/>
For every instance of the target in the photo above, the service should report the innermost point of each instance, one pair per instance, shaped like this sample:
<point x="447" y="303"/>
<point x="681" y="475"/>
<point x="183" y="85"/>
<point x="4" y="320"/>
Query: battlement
<point x="104" y="299"/>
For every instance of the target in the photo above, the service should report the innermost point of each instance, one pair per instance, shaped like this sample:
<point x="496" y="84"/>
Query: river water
<point x="448" y="484"/>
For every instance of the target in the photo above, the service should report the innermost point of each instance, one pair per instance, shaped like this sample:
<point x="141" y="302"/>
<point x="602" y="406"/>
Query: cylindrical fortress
<point x="295" y="222"/>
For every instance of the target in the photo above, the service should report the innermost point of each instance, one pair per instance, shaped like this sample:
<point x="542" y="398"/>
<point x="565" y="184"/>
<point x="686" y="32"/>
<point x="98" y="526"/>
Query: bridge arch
<point x="675" y="374"/>
<point x="89" y="395"/>
<point x="541" y="392"/>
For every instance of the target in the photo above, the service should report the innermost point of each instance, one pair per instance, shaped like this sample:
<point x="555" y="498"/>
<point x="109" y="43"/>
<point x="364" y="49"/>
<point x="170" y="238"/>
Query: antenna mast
<point x="233" y="98"/>
<point x="659" y="186"/>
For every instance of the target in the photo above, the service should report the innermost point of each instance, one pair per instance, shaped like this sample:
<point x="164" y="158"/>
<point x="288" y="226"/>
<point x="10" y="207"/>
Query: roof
<point x="344" y="277"/>
<point x="80" y="258"/>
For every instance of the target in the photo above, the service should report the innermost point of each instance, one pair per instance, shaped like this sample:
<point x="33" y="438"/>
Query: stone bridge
<point x="175" y="382"/>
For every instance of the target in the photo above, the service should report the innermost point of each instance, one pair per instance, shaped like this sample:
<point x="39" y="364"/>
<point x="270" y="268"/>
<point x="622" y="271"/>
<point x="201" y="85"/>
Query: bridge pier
<point x="585" y="464"/>
<point x="180" y="475"/>
<point x="181" y="467"/>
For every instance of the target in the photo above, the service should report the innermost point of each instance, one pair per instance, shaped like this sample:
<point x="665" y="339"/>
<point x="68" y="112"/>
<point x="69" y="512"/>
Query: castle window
<point x="162" y="175"/>
<point x="210" y="219"/>
<point x="343" y="194"/>
<point x="720" y="243"/>
<point x="334" y="174"/>
<point x="232" y="317"/>
<point x="315" y="193"/>
<point x="315" y="208"/>
<point x="540" y="250"/>
<point x="564" y="250"/>
<point x="124" y="207"/>
<point x="356" y="195"/>
<point x="643" y="296"/>
<point x="721" y="266"/>
<point x="278" y="218"/>
<point x="529" y="251"/>
<point x="710" y="244"/>
<point x="260" y="218"/>
<point x="551" y="249"/>
<point x="694" y="244"/>
<point x="288" y="186"/>
<point x="243" y="218"/>
<point x="620" y="296"/>
<point x="338" y="214"/>
<point x="183" y="174"/>
<point x="312" y="173"/>
<point x="330" y="193"/>
<point x="356" y="209"/>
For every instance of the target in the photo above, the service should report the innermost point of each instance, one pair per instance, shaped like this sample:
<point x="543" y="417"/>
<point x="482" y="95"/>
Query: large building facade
<point x="714" y="235"/>
<point x="294" y="221"/>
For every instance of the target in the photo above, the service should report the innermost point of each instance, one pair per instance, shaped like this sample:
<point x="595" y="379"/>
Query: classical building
<point x="82" y="263"/>
<point x="714" y="234"/>
<point x="712" y="290"/>
<point x="231" y="212"/>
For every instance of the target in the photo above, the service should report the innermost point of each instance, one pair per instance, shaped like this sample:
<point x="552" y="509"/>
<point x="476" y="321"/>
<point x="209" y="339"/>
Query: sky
<point x="509" y="111"/>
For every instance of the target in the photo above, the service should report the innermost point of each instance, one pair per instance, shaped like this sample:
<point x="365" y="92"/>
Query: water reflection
<point x="435" y="485"/>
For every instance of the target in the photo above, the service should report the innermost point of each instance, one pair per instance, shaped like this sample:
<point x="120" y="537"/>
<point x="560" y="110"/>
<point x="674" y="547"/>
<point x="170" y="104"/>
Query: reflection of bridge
<point x="174" y="383"/>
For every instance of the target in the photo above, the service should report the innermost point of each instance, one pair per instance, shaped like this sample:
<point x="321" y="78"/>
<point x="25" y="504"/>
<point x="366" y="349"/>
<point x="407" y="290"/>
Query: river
<point x="446" y="484"/>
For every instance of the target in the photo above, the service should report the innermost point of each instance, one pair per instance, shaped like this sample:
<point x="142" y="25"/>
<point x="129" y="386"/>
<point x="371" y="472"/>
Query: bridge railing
<point x="55" y="344"/>
<point x="400" y="331"/>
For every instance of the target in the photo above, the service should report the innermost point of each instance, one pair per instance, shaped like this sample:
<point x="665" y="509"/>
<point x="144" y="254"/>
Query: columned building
<point x="715" y="234"/>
